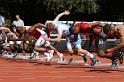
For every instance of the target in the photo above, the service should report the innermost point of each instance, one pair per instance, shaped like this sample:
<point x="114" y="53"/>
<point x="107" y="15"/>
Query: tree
<point x="81" y="6"/>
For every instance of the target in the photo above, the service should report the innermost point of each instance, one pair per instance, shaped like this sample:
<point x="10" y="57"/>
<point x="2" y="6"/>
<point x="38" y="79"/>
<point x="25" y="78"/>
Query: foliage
<point x="82" y="6"/>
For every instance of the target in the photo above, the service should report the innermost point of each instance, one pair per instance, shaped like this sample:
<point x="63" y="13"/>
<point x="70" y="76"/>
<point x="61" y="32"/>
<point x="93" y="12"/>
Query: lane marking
<point x="25" y="78"/>
<point x="85" y="76"/>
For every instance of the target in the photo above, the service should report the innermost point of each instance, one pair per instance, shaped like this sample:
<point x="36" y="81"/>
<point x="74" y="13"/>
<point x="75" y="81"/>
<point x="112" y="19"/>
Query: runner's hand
<point x="48" y="39"/>
<point x="66" y="12"/>
<point x="110" y="50"/>
<point x="14" y="29"/>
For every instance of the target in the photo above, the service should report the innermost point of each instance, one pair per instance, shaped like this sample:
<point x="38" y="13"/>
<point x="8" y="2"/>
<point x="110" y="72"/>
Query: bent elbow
<point x="58" y="40"/>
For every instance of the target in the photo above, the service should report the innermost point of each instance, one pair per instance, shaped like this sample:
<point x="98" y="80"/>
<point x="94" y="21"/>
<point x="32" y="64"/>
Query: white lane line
<point x="26" y="78"/>
<point x="39" y="71"/>
<point x="121" y="66"/>
<point x="65" y="76"/>
<point x="30" y="72"/>
<point x="104" y="64"/>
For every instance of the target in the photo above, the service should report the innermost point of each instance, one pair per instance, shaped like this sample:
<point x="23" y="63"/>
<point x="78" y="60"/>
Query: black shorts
<point x="101" y="44"/>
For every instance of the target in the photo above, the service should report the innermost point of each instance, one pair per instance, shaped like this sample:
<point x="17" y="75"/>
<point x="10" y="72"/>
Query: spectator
<point x="1" y="20"/>
<point x="18" y="22"/>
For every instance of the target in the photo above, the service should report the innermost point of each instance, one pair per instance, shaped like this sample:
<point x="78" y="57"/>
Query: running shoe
<point x="93" y="61"/>
<point x="117" y="56"/>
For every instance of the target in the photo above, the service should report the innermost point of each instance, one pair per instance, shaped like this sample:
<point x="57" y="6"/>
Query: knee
<point x="12" y="47"/>
<point x="71" y="51"/>
<point x="39" y="49"/>
<point x="36" y="48"/>
<point x="101" y="55"/>
<point x="82" y="51"/>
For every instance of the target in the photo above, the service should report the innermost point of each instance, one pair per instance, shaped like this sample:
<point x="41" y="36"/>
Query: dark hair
<point x="12" y="27"/>
<point x="106" y="28"/>
<point x="91" y="30"/>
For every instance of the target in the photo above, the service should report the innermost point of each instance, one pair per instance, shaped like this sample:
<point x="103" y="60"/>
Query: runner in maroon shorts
<point x="95" y="29"/>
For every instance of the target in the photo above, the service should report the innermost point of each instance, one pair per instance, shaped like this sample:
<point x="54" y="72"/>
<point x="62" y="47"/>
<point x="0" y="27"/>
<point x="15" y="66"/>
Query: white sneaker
<point x="36" y="57"/>
<point x="51" y="53"/>
<point x="34" y="54"/>
<point x="61" y="57"/>
<point x="4" y="53"/>
<point x="48" y="56"/>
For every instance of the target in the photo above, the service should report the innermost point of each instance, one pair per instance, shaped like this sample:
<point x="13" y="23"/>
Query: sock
<point x="47" y="55"/>
<point x="60" y="55"/>
<point x="84" y="59"/>
<point x="110" y="54"/>
<point x="57" y="53"/>
<point x="90" y="55"/>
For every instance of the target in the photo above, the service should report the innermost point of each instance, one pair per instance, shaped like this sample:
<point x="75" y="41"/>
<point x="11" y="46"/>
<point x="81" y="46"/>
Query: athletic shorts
<point x="17" y="42"/>
<point x="101" y="45"/>
<point x="76" y="45"/>
<point x="0" y="36"/>
<point x="42" y="42"/>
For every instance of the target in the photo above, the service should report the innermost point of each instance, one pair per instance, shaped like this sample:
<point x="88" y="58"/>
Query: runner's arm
<point x="61" y="14"/>
<point x="119" y="45"/>
<point x="4" y="33"/>
<point x="17" y="34"/>
<point x="97" y="24"/>
<point x="58" y="39"/>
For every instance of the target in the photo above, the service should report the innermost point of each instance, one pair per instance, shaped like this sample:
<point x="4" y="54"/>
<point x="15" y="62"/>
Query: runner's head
<point x="12" y="28"/>
<point x="107" y="29"/>
<point x="31" y="29"/>
<point x="96" y="29"/>
<point x="37" y="25"/>
<point x="21" y="30"/>
<point x="50" y="26"/>
<point x="76" y="30"/>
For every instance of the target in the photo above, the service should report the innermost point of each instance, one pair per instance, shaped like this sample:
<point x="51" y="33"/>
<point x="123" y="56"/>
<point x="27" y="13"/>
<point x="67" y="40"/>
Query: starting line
<point x="65" y="62"/>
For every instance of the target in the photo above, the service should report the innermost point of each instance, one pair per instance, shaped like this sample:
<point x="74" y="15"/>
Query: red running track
<point x="26" y="71"/>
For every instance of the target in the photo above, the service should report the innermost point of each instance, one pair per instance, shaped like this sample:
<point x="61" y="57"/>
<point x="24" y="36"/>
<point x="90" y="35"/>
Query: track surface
<point x="28" y="71"/>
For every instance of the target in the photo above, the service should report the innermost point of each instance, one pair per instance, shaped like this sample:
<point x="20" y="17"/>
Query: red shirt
<point x="84" y="27"/>
<point x="37" y="34"/>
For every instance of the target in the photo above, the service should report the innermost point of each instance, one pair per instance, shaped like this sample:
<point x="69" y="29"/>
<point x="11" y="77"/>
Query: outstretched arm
<point x="61" y="14"/>
<point x="97" y="24"/>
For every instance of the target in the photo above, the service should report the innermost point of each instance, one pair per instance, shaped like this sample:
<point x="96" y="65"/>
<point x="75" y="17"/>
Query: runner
<point x="96" y="32"/>
<point x="73" y="41"/>
<point x="7" y="35"/>
<point x="41" y="44"/>
<point x="117" y="31"/>
<point x="59" y="27"/>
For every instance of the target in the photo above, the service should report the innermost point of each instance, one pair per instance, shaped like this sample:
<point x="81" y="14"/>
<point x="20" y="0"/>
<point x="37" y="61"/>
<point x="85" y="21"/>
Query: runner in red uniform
<point x="95" y="30"/>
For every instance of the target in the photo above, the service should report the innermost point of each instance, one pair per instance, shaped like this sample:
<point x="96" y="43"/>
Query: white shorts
<point x="42" y="42"/>
<point x="0" y="36"/>
<point x="17" y="42"/>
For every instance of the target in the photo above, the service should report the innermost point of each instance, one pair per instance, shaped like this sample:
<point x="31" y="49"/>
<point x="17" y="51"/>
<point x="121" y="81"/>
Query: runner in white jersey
<point x="7" y="35"/>
<point x="44" y="46"/>
<point x="41" y="45"/>
<point x="59" y="27"/>
<point x="41" y="41"/>
<point x="3" y="32"/>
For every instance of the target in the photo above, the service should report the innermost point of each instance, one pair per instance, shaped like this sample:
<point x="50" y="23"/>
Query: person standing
<point x="18" y="22"/>
<point x="1" y="20"/>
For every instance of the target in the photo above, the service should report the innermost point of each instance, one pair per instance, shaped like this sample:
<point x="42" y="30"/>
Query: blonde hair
<point x="49" y="24"/>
